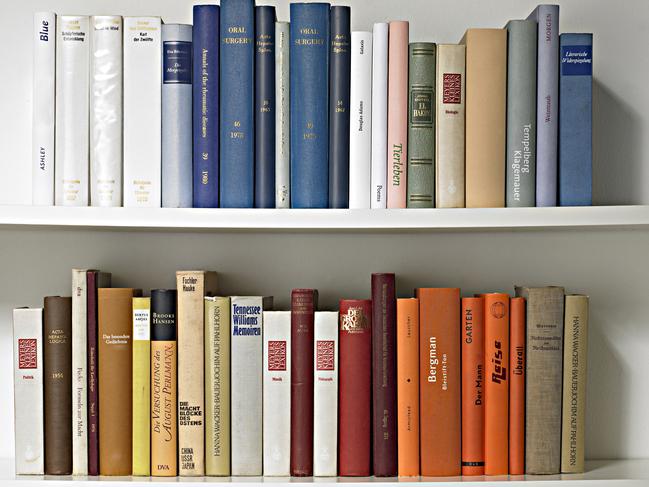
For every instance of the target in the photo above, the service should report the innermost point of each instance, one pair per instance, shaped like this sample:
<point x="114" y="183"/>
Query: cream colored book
<point x="142" y="386"/>
<point x="79" y="372"/>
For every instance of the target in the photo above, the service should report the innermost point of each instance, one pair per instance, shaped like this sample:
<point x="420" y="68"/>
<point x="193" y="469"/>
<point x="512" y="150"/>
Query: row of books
<point x="240" y="111"/>
<point x="186" y="383"/>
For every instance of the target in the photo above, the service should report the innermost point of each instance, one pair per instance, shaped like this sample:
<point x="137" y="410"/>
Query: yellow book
<point x="141" y="386"/>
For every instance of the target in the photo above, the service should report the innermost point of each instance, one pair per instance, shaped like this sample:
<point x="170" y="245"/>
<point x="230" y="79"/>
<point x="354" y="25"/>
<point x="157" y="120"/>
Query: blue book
<point x="206" y="106"/>
<point x="576" y="120"/>
<point x="237" y="104"/>
<point x="309" y="86"/>
<point x="265" y="107"/>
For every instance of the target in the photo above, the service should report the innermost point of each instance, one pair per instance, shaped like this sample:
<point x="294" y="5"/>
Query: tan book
<point x="486" y="100"/>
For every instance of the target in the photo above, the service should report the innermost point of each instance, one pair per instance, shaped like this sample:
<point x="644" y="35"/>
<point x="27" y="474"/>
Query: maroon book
<point x="303" y="305"/>
<point x="384" y="375"/>
<point x="354" y="393"/>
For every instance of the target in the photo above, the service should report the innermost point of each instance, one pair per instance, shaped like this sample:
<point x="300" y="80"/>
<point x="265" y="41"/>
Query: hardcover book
<point x="517" y="387"/>
<point x="282" y="119"/>
<point x="142" y="386"/>
<point x="378" y="190"/>
<point x="79" y="372"/>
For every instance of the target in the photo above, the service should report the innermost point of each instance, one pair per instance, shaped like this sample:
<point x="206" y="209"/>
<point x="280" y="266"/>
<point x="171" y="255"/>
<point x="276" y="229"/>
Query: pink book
<point x="397" y="113"/>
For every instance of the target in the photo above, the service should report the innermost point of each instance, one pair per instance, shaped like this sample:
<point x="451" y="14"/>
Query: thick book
<point x="573" y="427"/>
<point x="43" y="105"/>
<point x="303" y="305"/>
<point x="192" y="287"/>
<point x="282" y="120"/>
<point x="57" y="384"/>
<point x="576" y="120"/>
<point x="360" y="125"/>
<point x="28" y="391"/>
<point x="217" y="386"/>
<point x="517" y="386"/>
<point x="265" y="106"/>
<point x="355" y="388"/>
<point x="106" y="81"/>
<point x="72" y="95"/>
<point x="277" y="393"/>
<point x="473" y="388"/>
<point x="486" y="96"/>
<point x="408" y="386"/>
<point x="79" y="372"/>
<point x="378" y="189"/>
<point x="439" y="379"/>
<point x="142" y="111"/>
<point x="142" y="386"/>
<point x="397" y="134"/>
<point x="237" y="104"/>
<point x="205" y="100"/>
<point x="421" y="125"/>
<point x="543" y="369"/>
<point x="449" y="125"/>
<point x="325" y="394"/>
<point x="521" y="113"/>
<point x="176" y="115"/>
<point x="547" y="103"/>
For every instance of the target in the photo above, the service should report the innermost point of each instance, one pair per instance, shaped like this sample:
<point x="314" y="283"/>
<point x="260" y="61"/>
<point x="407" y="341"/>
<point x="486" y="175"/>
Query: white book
<point x="142" y="111"/>
<point x="325" y="394"/>
<point x="379" y="115"/>
<point x="106" y="111"/>
<point x="28" y="390"/>
<point x="246" y="382"/>
<point x="44" y="88"/>
<point x="282" y="117"/>
<point x="360" y="126"/>
<point x="72" y="93"/>
<point x="277" y="393"/>
<point x="79" y="372"/>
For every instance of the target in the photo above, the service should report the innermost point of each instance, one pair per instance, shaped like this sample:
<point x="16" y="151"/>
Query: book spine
<point x="277" y="393"/>
<point x="576" y="120"/>
<point x="450" y="126"/>
<point x="309" y="72"/>
<point x="378" y="196"/>
<point x="28" y="390"/>
<point x="282" y="120"/>
<point x="57" y="384"/>
<point x="517" y="387"/>
<point x="205" y="99"/>
<point x="521" y="113"/>
<point x="325" y="394"/>
<point x="142" y="95"/>
<point x="355" y="393"/>
<point x="79" y="373"/>
<point x="360" y="129"/>
<point x="176" y="116"/>
<point x="421" y="125"/>
<point x="217" y="386"/>
<point x="106" y="80"/>
<point x="72" y="93"/>
<point x="44" y="88"/>
<point x="408" y="386"/>
<point x="142" y="386"/>
<point x="237" y="104"/>
<point x="473" y="390"/>
<point x="164" y="392"/>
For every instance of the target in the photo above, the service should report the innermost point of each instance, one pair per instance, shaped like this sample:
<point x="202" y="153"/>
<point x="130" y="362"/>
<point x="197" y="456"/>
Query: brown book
<point x="115" y="315"/>
<point x="57" y="384"/>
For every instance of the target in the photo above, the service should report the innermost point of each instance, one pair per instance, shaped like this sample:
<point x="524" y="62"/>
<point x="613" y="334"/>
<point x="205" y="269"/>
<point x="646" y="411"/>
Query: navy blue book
<point x="237" y="104"/>
<point x="576" y="120"/>
<point x="265" y="107"/>
<point x="339" y="79"/>
<point x="205" y="101"/>
<point x="309" y="87"/>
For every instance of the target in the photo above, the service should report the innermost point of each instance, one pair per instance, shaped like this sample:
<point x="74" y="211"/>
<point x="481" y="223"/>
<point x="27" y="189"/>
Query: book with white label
<point x="282" y="113"/>
<point x="379" y="176"/>
<point x="79" y="372"/>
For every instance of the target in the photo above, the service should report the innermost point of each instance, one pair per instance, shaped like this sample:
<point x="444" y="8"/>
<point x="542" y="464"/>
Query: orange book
<point x="496" y="351"/>
<point x="408" y="386"/>
<point x="439" y="379"/>
<point x="517" y="387"/>
<point x="473" y="370"/>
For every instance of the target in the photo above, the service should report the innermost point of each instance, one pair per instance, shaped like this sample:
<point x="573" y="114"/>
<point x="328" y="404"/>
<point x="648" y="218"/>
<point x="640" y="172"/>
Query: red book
<point x="303" y="305"/>
<point x="517" y="387"/>
<point x="355" y="369"/>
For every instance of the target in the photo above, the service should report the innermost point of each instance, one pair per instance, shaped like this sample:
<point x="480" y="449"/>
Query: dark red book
<point x="355" y="382"/>
<point x="384" y="374"/>
<point x="303" y="305"/>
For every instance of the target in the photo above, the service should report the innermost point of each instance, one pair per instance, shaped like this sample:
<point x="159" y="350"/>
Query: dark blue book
<point x="309" y="87"/>
<point x="205" y="99"/>
<point x="576" y="120"/>
<point x="237" y="104"/>
<point x="265" y="107"/>
<point x="339" y="80"/>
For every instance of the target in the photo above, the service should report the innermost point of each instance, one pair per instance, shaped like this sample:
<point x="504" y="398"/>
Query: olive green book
<point x="142" y="386"/>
